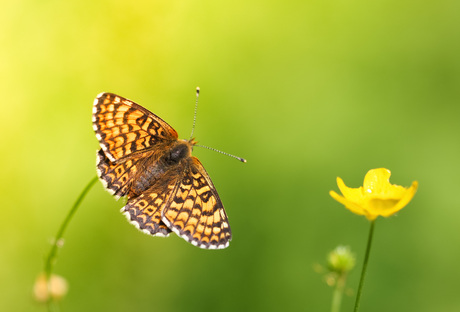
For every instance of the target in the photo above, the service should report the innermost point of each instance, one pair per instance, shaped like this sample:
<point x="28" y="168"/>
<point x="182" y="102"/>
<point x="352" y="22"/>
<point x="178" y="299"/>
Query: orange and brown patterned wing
<point x="194" y="210"/>
<point x="116" y="177"/>
<point x="144" y="211"/>
<point x="125" y="128"/>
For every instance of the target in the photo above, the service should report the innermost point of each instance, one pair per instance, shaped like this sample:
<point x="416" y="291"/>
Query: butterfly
<point x="167" y="189"/>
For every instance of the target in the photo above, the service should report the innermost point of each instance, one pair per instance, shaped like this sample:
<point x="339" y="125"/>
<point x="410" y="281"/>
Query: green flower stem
<point x="338" y="292"/>
<point x="366" y="260"/>
<point x="50" y="260"/>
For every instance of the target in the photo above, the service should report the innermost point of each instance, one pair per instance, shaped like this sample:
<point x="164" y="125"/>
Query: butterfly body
<point x="160" y="168"/>
<point x="167" y="188"/>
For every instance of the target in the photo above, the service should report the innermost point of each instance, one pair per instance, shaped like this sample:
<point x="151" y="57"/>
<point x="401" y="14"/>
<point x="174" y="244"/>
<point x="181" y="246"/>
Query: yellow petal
<point x="352" y="194"/>
<point x="380" y="206"/>
<point x="407" y="197"/>
<point x="377" y="183"/>
<point x="357" y="209"/>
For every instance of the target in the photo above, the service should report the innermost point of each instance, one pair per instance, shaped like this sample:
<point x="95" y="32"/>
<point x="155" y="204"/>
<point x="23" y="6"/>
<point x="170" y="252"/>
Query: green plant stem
<point x="366" y="260"/>
<point x="338" y="292"/>
<point x="49" y="263"/>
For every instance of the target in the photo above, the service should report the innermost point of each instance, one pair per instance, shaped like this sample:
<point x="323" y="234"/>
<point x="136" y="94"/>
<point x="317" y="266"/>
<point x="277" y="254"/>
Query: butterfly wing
<point x="144" y="211"/>
<point x="125" y="128"/>
<point x="194" y="210"/>
<point x="116" y="177"/>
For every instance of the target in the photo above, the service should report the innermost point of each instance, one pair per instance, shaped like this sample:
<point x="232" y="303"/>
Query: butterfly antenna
<point x="194" y="115"/>
<point x="193" y="129"/>
<point x="216" y="150"/>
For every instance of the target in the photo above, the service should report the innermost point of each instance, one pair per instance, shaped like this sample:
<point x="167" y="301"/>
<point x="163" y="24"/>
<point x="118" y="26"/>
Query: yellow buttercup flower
<point x="377" y="197"/>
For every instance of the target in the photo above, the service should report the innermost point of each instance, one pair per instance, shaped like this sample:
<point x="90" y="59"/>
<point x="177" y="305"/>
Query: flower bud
<point x="55" y="288"/>
<point x="341" y="260"/>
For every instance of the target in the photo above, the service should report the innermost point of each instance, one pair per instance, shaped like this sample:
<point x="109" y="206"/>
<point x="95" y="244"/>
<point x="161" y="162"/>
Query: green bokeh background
<point x="305" y="90"/>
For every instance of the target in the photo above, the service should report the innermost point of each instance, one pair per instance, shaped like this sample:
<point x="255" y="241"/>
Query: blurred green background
<point x="305" y="90"/>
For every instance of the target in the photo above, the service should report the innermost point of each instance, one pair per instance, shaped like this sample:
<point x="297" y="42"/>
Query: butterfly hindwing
<point x="145" y="210"/>
<point x="117" y="177"/>
<point x="125" y="128"/>
<point x="194" y="210"/>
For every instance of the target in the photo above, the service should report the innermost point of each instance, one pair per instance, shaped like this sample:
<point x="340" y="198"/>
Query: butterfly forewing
<point x="124" y="128"/>
<point x="195" y="212"/>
